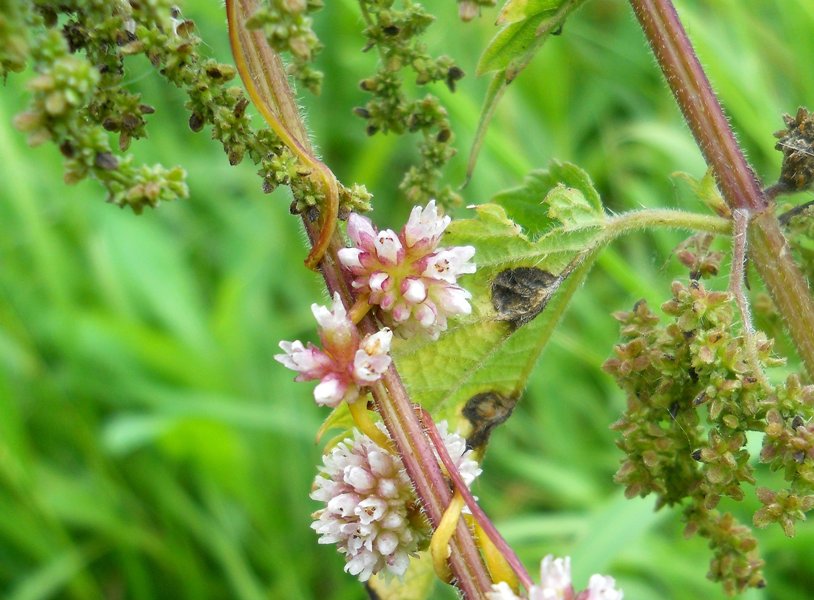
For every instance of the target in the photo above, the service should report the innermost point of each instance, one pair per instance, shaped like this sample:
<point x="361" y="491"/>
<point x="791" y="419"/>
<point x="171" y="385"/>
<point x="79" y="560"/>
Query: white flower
<point x="461" y="457"/>
<point x="602" y="587"/>
<point x="371" y="511"/>
<point x="555" y="579"/>
<point x="346" y="362"/>
<point x="501" y="591"/>
<point x="413" y="282"/>
<point x="555" y="584"/>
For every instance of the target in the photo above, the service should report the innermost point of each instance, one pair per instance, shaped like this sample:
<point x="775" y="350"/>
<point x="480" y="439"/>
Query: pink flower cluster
<point x="345" y="363"/>
<point x="410" y="279"/>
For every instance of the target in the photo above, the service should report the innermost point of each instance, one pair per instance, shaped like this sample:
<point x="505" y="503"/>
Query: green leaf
<point x="516" y="10"/>
<point x="487" y="357"/>
<point x="510" y="43"/>
<point x="706" y="190"/>
<point x="569" y="197"/>
<point x="528" y="25"/>
<point x="417" y="582"/>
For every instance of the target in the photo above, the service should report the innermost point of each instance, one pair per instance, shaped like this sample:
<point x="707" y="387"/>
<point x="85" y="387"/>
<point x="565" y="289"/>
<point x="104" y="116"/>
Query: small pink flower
<point x="345" y="363"/>
<point x="413" y="282"/>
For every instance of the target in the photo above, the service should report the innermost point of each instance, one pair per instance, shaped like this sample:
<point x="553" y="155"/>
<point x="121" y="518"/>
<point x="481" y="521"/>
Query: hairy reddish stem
<point x="736" y="179"/>
<point x="396" y="409"/>
<point x="488" y="527"/>
<point x="698" y="103"/>
<point x="264" y="77"/>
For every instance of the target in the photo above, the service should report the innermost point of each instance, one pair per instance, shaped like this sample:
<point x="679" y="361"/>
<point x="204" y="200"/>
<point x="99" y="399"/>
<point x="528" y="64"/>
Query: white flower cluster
<point x="371" y="511"/>
<point x="555" y="584"/>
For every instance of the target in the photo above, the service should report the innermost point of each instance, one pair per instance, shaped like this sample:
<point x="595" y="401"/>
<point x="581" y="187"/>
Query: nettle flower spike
<point x="410" y="279"/>
<point x="345" y="364"/>
<point x="371" y="512"/>
<point x="555" y="584"/>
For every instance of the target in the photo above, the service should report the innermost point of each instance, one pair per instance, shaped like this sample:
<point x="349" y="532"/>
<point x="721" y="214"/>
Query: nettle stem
<point x="264" y="77"/>
<point x="394" y="405"/>
<point x="739" y="186"/>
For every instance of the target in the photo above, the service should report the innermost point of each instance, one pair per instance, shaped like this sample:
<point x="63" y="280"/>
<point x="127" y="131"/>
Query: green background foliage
<point x="151" y="448"/>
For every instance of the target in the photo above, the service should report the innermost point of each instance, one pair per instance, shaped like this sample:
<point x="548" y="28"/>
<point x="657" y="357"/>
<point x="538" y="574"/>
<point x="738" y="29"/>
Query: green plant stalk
<point x="739" y="186"/>
<point x="663" y="217"/>
<point x="613" y="228"/>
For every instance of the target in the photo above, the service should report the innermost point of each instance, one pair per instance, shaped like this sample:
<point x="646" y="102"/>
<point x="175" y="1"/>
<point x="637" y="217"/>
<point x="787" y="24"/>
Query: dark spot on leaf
<point x="485" y="412"/>
<point x="696" y="455"/>
<point x="797" y="421"/>
<point x="520" y="294"/>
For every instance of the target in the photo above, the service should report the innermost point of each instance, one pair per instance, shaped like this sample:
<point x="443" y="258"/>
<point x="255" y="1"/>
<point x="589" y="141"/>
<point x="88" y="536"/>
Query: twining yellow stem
<point x="248" y="67"/>
<point x="462" y="490"/>
<point x="439" y="544"/>
<point x="498" y="566"/>
<point x="359" y="309"/>
<point x="363" y="422"/>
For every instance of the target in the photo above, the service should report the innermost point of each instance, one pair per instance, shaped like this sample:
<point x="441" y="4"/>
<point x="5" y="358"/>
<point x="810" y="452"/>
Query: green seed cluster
<point x="80" y="51"/>
<point x="72" y="107"/>
<point x="696" y="253"/>
<point x="796" y="142"/>
<point x="287" y="27"/>
<point x="396" y="32"/>
<point x="13" y="36"/>
<point x="691" y="399"/>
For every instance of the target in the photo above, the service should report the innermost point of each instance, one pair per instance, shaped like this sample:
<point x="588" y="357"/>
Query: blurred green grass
<point x="151" y="448"/>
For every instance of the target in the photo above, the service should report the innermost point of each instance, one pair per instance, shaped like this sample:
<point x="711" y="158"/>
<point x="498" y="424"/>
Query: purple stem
<point x="698" y="103"/>
<point x="396" y="409"/>
<point x="477" y="512"/>
<point x="739" y="186"/>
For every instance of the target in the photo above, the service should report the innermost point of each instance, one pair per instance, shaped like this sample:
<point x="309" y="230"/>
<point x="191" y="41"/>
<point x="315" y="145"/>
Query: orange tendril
<point x="254" y="69"/>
